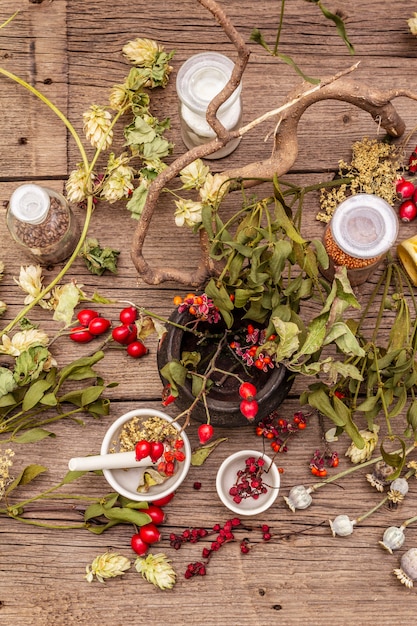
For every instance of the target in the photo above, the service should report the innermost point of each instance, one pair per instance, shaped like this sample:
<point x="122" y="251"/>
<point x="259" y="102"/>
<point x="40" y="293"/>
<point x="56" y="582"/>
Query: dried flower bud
<point x="142" y="52"/>
<point x="378" y="478"/>
<point x="97" y="122"/>
<point x="5" y="465"/>
<point x="3" y="307"/>
<point x="22" y="341"/>
<point x="358" y="455"/>
<point x="412" y="24"/>
<point x="119" y="183"/>
<point x="342" y="526"/>
<point x="407" y="573"/>
<point x="76" y="186"/>
<point x="194" y="175"/>
<point x="393" y="538"/>
<point x="107" y="565"/>
<point x="156" y="569"/>
<point x="187" y="212"/>
<point x="299" y="498"/>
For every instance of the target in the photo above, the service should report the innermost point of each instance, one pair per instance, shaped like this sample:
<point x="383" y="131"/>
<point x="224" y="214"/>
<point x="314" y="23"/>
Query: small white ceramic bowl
<point x="125" y="481"/>
<point x="226" y="478"/>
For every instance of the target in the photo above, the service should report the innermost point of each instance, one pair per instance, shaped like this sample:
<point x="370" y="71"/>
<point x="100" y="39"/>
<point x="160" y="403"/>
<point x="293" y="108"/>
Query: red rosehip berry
<point x="205" y="432"/>
<point x="404" y="188"/>
<point x="249" y="408"/>
<point x="138" y="545"/>
<point x="408" y="211"/>
<point x="247" y="391"/>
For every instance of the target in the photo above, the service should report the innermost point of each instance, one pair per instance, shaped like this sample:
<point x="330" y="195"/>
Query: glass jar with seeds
<point x="42" y="223"/>
<point x="362" y="230"/>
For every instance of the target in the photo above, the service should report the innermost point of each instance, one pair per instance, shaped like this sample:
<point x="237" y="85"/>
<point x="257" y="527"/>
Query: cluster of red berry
<point x="224" y="534"/>
<point x="92" y="324"/>
<point x="249" y="482"/>
<point x="407" y="191"/>
<point x="320" y="460"/>
<point x="278" y="430"/>
<point x="250" y="352"/>
<point x="149" y="534"/>
<point x="164" y="452"/>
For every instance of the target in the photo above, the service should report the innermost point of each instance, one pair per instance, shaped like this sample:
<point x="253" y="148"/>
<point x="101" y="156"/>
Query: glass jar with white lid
<point x="362" y="230"/>
<point x="199" y="80"/>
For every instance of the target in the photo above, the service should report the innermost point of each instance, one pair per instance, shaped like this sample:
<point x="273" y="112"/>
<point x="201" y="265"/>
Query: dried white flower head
<point x="22" y="341"/>
<point x="76" y="186"/>
<point x="214" y="188"/>
<point x="156" y="569"/>
<point x="342" y="526"/>
<point x="119" y="183"/>
<point x="142" y="52"/>
<point x="5" y="465"/>
<point x="412" y="24"/>
<point x="30" y="280"/>
<point x="97" y="123"/>
<point x="107" y="565"/>
<point x="299" y="498"/>
<point x="194" y="175"/>
<point x="187" y="212"/>
<point x="359" y="455"/>
<point x="407" y="573"/>
<point x="393" y="538"/>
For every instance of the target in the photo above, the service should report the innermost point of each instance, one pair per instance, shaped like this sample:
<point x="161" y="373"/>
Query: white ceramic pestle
<point x="118" y="460"/>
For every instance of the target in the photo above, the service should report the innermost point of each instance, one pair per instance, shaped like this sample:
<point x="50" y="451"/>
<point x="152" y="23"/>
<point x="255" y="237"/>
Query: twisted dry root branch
<point x="337" y="87"/>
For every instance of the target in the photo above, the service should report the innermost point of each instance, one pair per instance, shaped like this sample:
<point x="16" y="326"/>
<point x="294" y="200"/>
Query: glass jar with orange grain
<point x="362" y="230"/>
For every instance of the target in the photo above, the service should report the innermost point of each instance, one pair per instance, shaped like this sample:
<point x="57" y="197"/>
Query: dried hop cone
<point x="156" y="569"/>
<point x="107" y="565"/>
<point x="359" y="455"/>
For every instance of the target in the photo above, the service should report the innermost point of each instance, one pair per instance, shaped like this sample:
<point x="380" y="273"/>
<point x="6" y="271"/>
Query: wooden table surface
<point x="71" y="51"/>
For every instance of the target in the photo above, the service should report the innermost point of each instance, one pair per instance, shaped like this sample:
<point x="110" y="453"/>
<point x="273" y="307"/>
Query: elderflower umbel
<point x="5" y="465"/>
<point x="97" y="122"/>
<point x="107" y="565"/>
<point x="187" y="212"/>
<point x="156" y="569"/>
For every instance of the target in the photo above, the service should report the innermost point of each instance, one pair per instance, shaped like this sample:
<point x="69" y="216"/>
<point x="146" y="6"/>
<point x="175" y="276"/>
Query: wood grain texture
<point x="303" y="576"/>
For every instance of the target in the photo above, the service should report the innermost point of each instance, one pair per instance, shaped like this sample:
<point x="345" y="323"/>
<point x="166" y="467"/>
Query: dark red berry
<point x="136" y="349"/>
<point x="408" y="211"/>
<point x="155" y="513"/>
<point x="125" y="334"/>
<point x="163" y="501"/>
<point x="156" y="450"/>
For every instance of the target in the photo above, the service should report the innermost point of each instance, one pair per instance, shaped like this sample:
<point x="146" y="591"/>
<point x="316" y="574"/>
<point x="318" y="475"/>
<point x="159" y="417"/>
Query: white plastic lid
<point x="30" y="203"/>
<point x="202" y="77"/>
<point x="364" y="226"/>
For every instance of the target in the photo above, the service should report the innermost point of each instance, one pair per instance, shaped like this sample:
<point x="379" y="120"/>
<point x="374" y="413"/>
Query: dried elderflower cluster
<point x="137" y="429"/>
<point x="373" y="169"/>
<point x="5" y="465"/>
